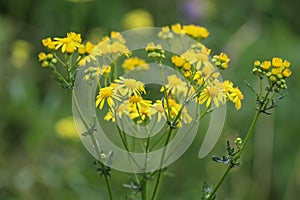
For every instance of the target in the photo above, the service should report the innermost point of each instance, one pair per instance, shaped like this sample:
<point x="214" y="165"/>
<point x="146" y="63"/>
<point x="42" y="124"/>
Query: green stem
<point x="157" y="183"/>
<point x="229" y="167"/>
<point x="96" y="145"/>
<point x="263" y="105"/>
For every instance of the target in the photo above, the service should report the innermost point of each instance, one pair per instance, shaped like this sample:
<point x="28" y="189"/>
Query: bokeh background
<point x="40" y="157"/>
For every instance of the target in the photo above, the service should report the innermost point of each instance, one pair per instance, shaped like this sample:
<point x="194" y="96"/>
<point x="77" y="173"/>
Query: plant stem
<point x="161" y="163"/>
<point x="229" y="167"/>
<point x="96" y="145"/>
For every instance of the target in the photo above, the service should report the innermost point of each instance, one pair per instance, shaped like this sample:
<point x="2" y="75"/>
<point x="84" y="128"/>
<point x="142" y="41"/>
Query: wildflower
<point x="266" y="65"/>
<point x="287" y="73"/>
<point x="130" y="87"/>
<point x="140" y="114"/>
<point x="86" y="49"/>
<point x="68" y="44"/>
<point x="221" y="60"/>
<point x="175" y="85"/>
<point x="196" y="31"/>
<point x="117" y="37"/>
<point x="42" y="56"/>
<point x="177" y="61"/>
<point x="177" y="29"/>
<point x="135" y="63"/>
<point x="165" y="33"/>
<point x="157" y="108"/>
<point x="107" y="94"/>
<point x="277" y="62"/>
<point x="138" y="102"/>
<point x="173" y="107"/>
<point x="109" y="116"/>
<point x="185" y="116"/>
<point x="48" y="43"/>
<point x="236" y="96"/>
<point x="214" y="93"/>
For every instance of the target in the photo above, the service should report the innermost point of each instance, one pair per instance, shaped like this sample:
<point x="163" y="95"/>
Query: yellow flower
<point x="109" y="116"/>
<point x="177" y="61"/>
<point x="276" y="70"/>
<point x="177" y="29"/>
<point x="277" y="62"/>
<point x="221" y="60"/>
<point x="287" y="73"/>
<point x="173" y="107"/>
<point x="107" y="94"/>
<point x="286" y="63"/>
<point x="213" y="93"/>
<point x="236" y="96"/>
<point x="68" y="44"/>
<point x="135" y="63"/>
<point x="48" y="43"/>
<point x="228" y="86"/>
<point x="86" y="49"/>
<point x="138" y="102"/>
<point x="130" y="87"/>
<point x="175" y="85"/>
<point x="140" y="114"/>
<point x="196" y="31"/>
<point x="266" y="65"/>
<point x="65" y="128"/>
<point x="117" y="37"/>
<point x="185" y="116"/>
<point x="152" y="47"/>
<point x="158" y="109"/>
<point x="42" y="56"/>
<point x="187" y="66"/>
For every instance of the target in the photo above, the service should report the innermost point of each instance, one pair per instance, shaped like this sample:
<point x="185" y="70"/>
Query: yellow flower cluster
<point x="194" y="31"/>
<point x="129" y="95"/>
<point x="134" y="63"/>
<point x="221" y="61"/>
<point x="276" y="70"/>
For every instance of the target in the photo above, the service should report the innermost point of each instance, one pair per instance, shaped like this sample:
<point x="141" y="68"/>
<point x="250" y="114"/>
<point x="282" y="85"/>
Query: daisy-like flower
<point x="236" y="96"/>
<point x="173" y="107"/>
<point x="108" y="94"/>
<point x="48" y="43"/>
<point x="157" y="108"/>
<point x="140" y="114"/>
<point x="130" y="87"/>
<point x="138" y="102"/>
<point x="175" y="85"/>
<point x="212" y="93"/>
<point x="68" y="44"/>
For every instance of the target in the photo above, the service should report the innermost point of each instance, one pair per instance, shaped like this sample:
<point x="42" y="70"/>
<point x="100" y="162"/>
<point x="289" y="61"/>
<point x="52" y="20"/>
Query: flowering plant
<point x="157" y="94"/>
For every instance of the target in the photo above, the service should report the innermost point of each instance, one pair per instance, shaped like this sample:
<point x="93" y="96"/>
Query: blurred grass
<point x="35" y="163"/>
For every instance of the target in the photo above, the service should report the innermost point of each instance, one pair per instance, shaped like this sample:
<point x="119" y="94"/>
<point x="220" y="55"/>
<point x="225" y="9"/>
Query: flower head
<point x="108" y="94"/>
<point x="68" y="44"/>
<point x="130" y="87"/>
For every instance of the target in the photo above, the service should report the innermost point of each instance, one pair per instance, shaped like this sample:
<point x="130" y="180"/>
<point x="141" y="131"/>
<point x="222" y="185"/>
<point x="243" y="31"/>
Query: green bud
<point x="279" y="76"/>
<point x="54" y="60"/>
<point x="269" y="74"/>
<point x="45" y="64"/>
<point x="278" y="83"/>
<point x="273" y="78"/>
<point x="49" y="56"/>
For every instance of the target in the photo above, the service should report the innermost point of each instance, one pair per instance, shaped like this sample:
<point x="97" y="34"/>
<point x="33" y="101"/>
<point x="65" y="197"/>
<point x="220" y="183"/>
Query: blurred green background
<point x="38" y="162"/>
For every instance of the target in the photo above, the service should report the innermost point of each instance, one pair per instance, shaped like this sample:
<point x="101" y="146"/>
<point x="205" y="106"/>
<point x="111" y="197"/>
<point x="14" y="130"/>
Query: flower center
<point x="105" y="92"/>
